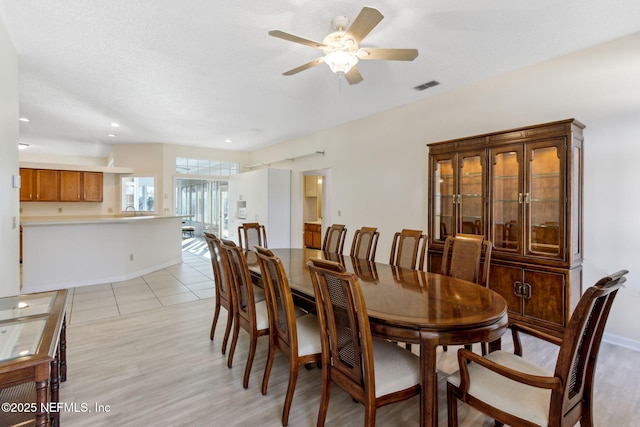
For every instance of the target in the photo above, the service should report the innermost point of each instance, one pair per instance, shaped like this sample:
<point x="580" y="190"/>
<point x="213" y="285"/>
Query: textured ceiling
<point x="200" y="72"/>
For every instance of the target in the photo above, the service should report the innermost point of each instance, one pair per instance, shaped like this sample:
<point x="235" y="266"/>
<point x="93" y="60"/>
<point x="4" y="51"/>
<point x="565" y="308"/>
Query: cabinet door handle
<point x="517" y="289"/>
<point x="520" y="198"/>
<point x="526" y="291"/>
<point x="526" y="198"/>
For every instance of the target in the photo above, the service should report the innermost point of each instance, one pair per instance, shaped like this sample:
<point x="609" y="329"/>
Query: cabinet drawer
<point x="315" y="228"/>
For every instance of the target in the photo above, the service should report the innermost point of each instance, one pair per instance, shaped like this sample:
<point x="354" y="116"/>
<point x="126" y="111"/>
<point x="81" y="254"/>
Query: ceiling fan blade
<point x="290" y="37"/>
<point x="304" y="67"/>
<point x="388" y="54"/>
<point x="353" y="76"/>
<point x="366" y="21"/>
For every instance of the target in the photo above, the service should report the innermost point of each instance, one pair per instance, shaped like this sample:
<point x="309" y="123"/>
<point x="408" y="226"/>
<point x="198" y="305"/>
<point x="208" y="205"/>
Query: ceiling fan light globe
<point x="341" y="62"/>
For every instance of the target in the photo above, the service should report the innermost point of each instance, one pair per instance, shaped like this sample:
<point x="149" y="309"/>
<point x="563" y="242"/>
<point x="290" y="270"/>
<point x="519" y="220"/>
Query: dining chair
<point x="462" y="258"/>
<point x="251" y="234"/>
<point x="518" y="392"/>
<point x="408" y="249"/>
<point x="364" y="244"/>
<point x="375" y="372"/>
<point x="297" y="337"/>
<point x="224" y="297"/>
<point x="250" y="315"/>
<point x="334" y="239"/>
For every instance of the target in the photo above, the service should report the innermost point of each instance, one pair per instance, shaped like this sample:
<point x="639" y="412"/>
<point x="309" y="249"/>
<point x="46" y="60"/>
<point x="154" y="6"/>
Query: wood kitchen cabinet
<point x="70" y="186"/>
<point x="27" y="184"/>
<point x="48" y="185"/>
<point x="521" y="189"/>
<point x="92" y="186"/>
<point x="313" y="235"/>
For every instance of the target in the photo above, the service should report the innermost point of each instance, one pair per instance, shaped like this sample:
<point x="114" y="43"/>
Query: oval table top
<point x="403" y="297"/>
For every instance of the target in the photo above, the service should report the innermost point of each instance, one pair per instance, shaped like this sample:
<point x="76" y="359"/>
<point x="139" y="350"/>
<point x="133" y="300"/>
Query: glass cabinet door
<point x="470" y="198"/>
<point x="444" y="192"/>
<point x="507" y="198"/>
<point x="545" y="198"/>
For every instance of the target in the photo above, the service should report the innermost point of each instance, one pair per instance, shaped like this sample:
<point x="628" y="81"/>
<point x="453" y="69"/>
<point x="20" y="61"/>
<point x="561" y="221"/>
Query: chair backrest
<point x="462" y="258"/>
<point x="334" y="239"/>
<point x="238" y="274"/>
<point x="346" y="336"/>
<point x="365" y="242"/>
<point x="221" y="281"/>
<point x="282" y="319"/>
<point x="251" y="234"/>
<point x="579" y="349"/>
<point x="406" y="250"/>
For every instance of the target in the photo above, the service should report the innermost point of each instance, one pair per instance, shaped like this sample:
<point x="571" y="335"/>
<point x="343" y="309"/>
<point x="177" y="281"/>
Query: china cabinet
<point x="521" y="189"/>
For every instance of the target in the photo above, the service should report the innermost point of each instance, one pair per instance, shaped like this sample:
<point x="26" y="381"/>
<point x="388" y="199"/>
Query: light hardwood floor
<point x="158" y="367"/>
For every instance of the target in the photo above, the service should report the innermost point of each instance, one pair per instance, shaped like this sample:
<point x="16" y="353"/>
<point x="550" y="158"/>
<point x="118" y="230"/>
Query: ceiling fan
<point x="341" y="47"/>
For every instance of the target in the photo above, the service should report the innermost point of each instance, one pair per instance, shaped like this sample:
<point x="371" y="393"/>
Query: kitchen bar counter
<point x="65" y="252"/>
<point x="49" y="220"/>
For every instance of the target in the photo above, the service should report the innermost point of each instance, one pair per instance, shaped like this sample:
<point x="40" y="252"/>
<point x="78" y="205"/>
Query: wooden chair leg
<point x="291" y="388"/>
<point x="370" y="415"/>
<point x="267" y="369"/>
<point x="227" y="332"/>
<point x="234" y="341"/>
<point x="215" y="322"/>
<point x="452" y="406"/>
<point x="253" y="343"/>
<point x="324" y="400"/>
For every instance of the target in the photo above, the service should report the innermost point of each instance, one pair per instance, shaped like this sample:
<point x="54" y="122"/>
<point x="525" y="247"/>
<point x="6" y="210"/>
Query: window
<point x="206" y="167"/>
<point x="138" y="194"/>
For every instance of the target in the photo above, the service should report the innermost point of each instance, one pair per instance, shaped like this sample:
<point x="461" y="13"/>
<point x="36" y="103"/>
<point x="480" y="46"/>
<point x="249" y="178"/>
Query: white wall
<point x="266" y="193"/>
<point x="379" y="163"/>
<point x="9" y="196"/>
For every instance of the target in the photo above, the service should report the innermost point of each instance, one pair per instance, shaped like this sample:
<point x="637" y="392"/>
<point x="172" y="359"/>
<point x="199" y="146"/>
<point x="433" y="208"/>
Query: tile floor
<point x="191" y="280"/>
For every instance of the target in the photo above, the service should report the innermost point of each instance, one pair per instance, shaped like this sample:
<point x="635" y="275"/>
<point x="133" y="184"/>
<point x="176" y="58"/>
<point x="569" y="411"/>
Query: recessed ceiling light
<point x="228" y="141"/>
<point x="113" y="135"/>
<point x="22" y="146"/>
<point x="114" y="125"/>
<point x="23" y="119"/>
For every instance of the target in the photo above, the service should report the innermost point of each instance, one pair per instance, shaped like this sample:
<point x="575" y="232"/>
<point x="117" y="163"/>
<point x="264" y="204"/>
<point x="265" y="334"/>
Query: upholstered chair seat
<point x="506" y="395"/>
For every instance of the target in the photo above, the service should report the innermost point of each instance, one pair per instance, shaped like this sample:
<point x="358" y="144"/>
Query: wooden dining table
<point x="410" y="306"/>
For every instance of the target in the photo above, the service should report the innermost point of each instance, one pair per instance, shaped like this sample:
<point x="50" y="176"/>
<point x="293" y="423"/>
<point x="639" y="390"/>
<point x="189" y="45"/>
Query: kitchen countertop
<point x="97" y="219"/>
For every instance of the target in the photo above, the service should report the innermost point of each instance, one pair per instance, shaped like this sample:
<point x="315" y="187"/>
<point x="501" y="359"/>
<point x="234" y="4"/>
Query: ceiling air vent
<point x="427" y="85"/>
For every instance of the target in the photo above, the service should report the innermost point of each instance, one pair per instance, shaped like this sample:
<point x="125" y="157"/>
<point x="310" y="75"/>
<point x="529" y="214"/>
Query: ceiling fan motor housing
<point x="340" y="23"/>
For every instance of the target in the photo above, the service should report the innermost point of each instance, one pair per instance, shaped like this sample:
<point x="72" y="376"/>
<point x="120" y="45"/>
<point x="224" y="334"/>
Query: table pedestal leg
<point x="429" y="395"/>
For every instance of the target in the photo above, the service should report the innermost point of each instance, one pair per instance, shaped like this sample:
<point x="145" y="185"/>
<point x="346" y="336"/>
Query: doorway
<point x="204" y="205"/>
<point x="315" y="206"/>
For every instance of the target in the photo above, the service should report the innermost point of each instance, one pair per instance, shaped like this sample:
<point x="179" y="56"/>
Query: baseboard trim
<point x="621" y="341"/>
<point x="96" y="281"/>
